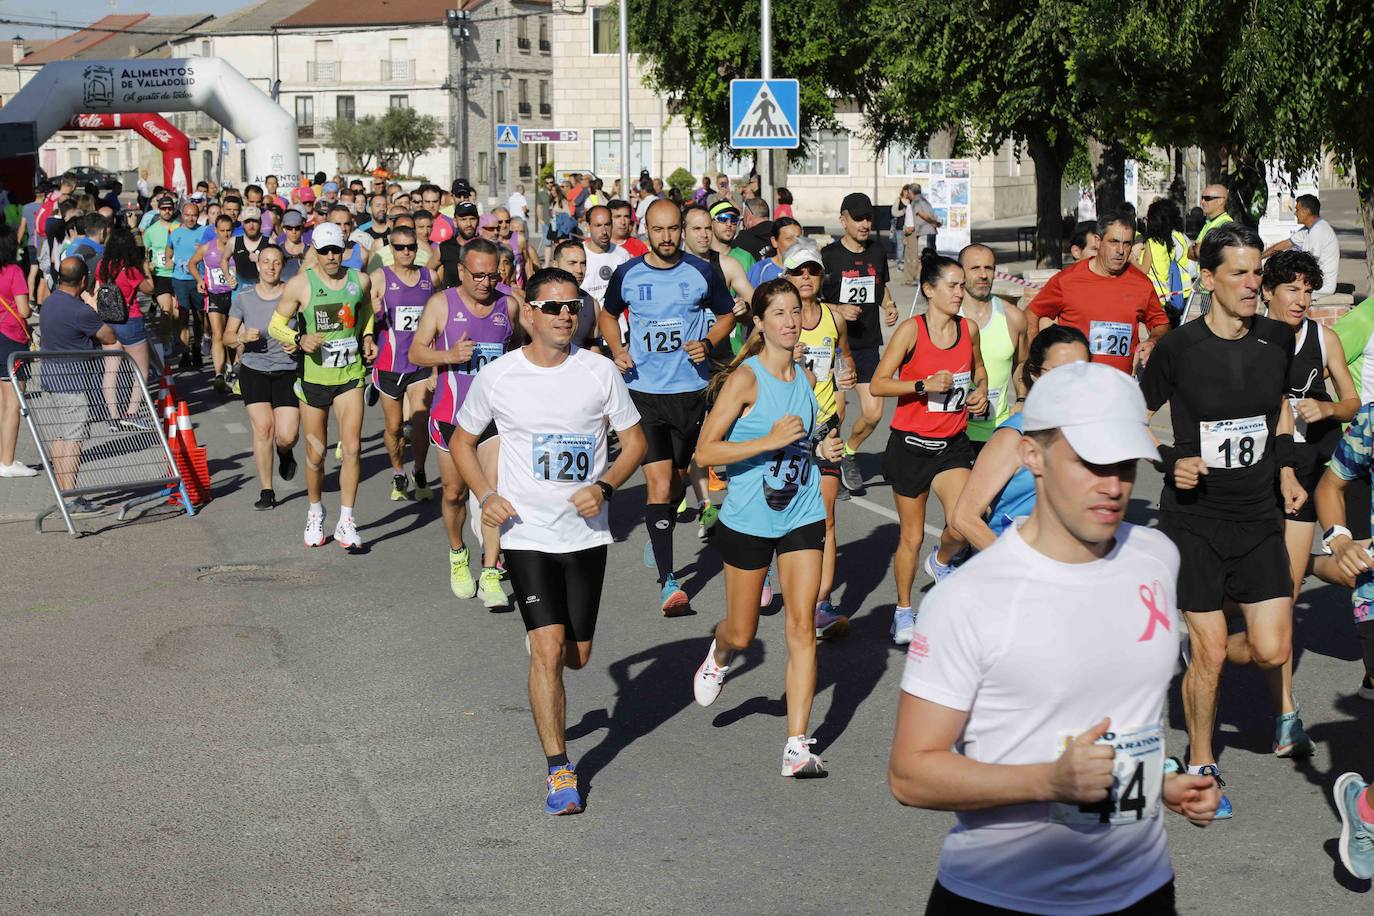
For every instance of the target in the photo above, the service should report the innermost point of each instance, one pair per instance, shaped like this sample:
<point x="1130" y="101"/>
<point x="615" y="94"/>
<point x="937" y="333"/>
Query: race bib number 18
<point x="1137" y="780"/>
<point x="561" y="456"/>
<point x="1235" y="443"/>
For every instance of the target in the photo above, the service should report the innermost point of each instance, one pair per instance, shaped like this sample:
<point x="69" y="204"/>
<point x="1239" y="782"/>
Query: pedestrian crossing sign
<point x="507" y="136"/>
<point x="764" y="114"/>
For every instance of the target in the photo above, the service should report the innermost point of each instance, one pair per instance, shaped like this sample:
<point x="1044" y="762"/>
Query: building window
<point x="524" y="90"/>
<point x="207" y="164"/>
<point x="501" y="161"/>
<point x="308" y="164"/>
<point x="905" y="160"/>
<point x="522" y="33"/>
<point x="399" y="101"/>
<point x="829" y="155"/>
<point x="606" y="151"/>
<point x="73" y="158"/>
<point x="704" y="161"/>
<point x="112" y="159"/>
<point x="606" y="31"/>
<point x="545" y="46"/>
<point x="93" y="157"/>
<point x="205" y="48"/>
<point x="524" y="160"/>
<point x="243" y="165"/>
<point x="344" y="109"/>
<point x="482" y="175"/>
<point x="501" y="106"/>
<point x="545" y="108"/>
<point x="305" y="111"/>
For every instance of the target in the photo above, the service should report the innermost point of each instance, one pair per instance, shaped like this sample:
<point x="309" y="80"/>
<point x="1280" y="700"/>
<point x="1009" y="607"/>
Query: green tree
<point x="407" y="134"/>
<point x="683" y="181"/>
<point x="358" y="142"/>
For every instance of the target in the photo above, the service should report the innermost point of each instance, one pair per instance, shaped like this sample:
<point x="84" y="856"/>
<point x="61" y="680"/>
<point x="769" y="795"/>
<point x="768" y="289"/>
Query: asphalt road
<point x="201" y="715"/>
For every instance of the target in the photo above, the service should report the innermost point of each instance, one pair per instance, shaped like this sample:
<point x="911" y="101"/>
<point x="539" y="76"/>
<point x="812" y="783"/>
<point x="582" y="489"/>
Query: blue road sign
<point x="764" y="114"/>
<point x="507" y="136"/>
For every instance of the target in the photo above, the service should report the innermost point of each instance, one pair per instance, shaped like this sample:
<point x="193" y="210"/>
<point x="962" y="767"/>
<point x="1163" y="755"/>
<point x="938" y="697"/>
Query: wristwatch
<point x="607" y="491"/>
<point x="920" y="386"/>
<point x="1330" y="534"/>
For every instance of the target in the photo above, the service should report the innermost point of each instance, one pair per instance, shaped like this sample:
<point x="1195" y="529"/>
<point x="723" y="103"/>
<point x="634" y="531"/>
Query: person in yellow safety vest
<point x="1214" y="198"/>
<point x="1164" y="258"/>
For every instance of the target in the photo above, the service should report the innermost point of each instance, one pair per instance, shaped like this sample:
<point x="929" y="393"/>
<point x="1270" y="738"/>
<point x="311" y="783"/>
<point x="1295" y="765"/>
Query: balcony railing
<point x="525" y="108"/>
<point x="322" y="71"/>
<point x="398" y="71"/>
<point x="522" y="43"/>
<point x="305" y="130"/>
<point x="545" y="109"/>
<point x="545" y="46"/>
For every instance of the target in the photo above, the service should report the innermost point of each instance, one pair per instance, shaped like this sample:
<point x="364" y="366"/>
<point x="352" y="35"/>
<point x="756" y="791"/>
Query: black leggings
<point x="559" y="588"/>
<point x="944" y="902"/>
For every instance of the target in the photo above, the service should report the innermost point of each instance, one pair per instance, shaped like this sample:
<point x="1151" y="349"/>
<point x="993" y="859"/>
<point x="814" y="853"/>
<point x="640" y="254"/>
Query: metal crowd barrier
<point x="96" y="428"/>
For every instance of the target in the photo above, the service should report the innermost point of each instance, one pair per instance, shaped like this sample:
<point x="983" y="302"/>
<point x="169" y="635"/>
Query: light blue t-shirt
<point x="1018" y="496"/>
<point x="778" y="491"/>
<point x="763" y="271"/>
<point x="184" y="243"/>
<point x="668" y="307"/>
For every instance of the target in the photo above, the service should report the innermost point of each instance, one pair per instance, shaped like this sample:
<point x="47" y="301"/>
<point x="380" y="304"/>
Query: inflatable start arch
<point x="65" y="89"/>
<point x="157" y="130"/>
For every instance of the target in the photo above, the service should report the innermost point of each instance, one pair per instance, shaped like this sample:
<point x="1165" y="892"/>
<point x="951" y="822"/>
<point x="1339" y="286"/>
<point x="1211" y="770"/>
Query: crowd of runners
<point x="715" y="350"/>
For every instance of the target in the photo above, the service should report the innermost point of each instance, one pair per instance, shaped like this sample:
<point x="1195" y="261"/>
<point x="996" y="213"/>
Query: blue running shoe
<point x="649" y="555"/>
<point x="563" y="797"/>
<point x="903" y="625"/>
<point x="1357" y="837"/>
<point x="672" y="599"/>
<point x="1290" y="740"/>
<point x="1224" y="806"/>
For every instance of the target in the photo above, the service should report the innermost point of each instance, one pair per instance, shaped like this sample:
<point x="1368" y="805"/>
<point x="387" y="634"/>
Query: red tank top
<point x="937" y="415"/>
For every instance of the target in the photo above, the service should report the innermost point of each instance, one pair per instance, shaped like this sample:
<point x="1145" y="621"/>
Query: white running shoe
<point x="903" y="625"/>
<point x="314" y="529"/>
<point x="18" y="469"/>
<point x="799" y="762"/>
<point x="935" y="569"/>
<point x="346" y="534"/>
<point x="709" y="679"/>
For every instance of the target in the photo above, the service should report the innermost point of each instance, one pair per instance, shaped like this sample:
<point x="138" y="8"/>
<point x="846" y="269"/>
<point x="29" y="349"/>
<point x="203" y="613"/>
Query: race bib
<point x="1110" y="338"/>
<point x="1299" y="424"/>
<point x="336" y="354"/>
<point x="1233" y="443"/>
<point x="858" y="290"/>
<point x="993" y="406"/>
<point x="408" y="317"/>
<point x="821" y="361"/>
<point x="217" y="277"/>
<point x="561" y="456"/>
<point x="482" y="353"/>
<point x="1137" y="780"/>
<point x="789" y="466"/>
<point x="953" y="400"/>
<point x="660" y="335"/>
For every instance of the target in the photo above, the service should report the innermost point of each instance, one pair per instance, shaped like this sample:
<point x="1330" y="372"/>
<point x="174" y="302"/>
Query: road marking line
<point x="237" y="429"/>
<point x="885" y="512"/>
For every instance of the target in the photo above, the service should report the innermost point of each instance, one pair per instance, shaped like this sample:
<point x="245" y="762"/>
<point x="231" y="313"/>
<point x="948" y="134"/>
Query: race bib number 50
<point x="1237" y="443"/>
<point x="1137" y="779"/>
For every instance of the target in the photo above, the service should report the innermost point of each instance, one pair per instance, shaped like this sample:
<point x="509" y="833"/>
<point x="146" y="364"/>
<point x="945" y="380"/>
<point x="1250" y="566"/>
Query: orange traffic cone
<point x="195" y="453"/>
<point x="187" y="468"/>
<point x="185" y="430"/>
<point x="167" y="390"/>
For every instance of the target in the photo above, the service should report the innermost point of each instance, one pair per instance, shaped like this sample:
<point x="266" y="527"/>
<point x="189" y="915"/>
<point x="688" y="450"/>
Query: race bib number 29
<point x="1137" y="780"/>
<point x="858" y="290"/>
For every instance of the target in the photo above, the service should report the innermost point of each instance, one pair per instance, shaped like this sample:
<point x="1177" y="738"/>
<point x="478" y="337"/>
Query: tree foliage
<point x="400" y="134"/>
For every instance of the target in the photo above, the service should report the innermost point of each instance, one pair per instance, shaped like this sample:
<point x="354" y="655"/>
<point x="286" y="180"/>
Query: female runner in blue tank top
<point x="764" y="425"/>
<point x="1000" y="490"/>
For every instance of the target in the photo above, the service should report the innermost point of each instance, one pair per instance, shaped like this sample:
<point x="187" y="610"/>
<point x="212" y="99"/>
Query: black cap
<point x="460" y="187"/>
<point x="857" y="205"/>
<point x="166" y="202"/>
<point x="465" y="208"/>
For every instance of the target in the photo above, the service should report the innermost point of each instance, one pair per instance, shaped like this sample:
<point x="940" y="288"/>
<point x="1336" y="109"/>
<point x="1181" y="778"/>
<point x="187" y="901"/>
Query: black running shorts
<point x="911" y="463"/>
<point x="394" y="384"/>
<point x="559" y="589"/>
<point x="671" y="424"/>
<point x="277" y="388"/>
<point x="748" y="551"/>
<point x="1220" y="558"/>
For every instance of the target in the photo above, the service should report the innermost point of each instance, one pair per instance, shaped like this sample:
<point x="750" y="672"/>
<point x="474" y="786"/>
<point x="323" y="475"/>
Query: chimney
<point x="18" y="50"/>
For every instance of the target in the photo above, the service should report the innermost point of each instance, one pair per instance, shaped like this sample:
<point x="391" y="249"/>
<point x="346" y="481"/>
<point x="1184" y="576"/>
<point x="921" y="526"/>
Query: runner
<point x="1033" y="697"/>
<point x="786" y="231"/>
<point x="399" y="295"/>
<point x="335" y="307"/>
<point x="157" y="250"/>
<point x="1000" y="489"/>
<point x="1225" y="381"/>
<point x="856" y="281"/>
<point x="268" y="374"/>
<point x="765" y="424"/>
<point x="666" y="369"/>
<point x="551" y="403"/>
<point x="213" y="267"/>
<point x="933" y="368"/>
<point x="823" y="349"/>
<point x="569" y="255"/>
<point x="461" y="330"/>
<point x="450" y="250"/>
<point x="603" y="255"/>
<point x="1105" y="297"/>
<point x="1002" y="340"/>
<point x="186" y="310"/>
<point x="622" y="228"/>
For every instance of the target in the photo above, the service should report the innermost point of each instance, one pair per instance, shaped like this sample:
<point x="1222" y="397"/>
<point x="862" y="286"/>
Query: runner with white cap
<point x="1056" y="778"/>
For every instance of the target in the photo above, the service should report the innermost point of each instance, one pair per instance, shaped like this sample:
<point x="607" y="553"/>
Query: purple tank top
<point x="489" y="335"/>
<point x="401" y="309"/>
<point x="218" y="270"/>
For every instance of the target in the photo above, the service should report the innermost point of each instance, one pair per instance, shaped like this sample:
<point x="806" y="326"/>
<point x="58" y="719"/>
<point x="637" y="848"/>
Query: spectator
<point x="919" y="227"/>
<point x="89" y="245"/>
<point x="14" y="336"/>
<point x="518" y="204"/>
<point x="1164" y="257"/>
<point x="755" y="237"/>
<point x="122" y="266"/>
<point x="1084" y="242"/>
<point x="784" y="207"/>
<point x="700" y="195"/>
<point x="68" y="323"/>
<point x="1317" y="238"/>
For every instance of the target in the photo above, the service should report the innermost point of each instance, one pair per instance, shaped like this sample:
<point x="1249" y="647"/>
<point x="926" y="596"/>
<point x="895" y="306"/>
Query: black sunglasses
<point x="809" y="270"/>
<point x="411" y="247"/>
<point x="555" y="306"/>
<point x="330" y="249"/>
<point x="1213" y="197"/>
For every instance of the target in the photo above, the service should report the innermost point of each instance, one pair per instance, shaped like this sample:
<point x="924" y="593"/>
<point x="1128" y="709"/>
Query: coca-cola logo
<point x="88" y="121"/>
<point x="155" y="130"/>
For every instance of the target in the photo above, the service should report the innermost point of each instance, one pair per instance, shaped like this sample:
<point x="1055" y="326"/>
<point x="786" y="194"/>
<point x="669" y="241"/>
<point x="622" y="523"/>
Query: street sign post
<point x="765" y="114"/>
<point x="549" y="136"/>
<point x="507" y="136"/>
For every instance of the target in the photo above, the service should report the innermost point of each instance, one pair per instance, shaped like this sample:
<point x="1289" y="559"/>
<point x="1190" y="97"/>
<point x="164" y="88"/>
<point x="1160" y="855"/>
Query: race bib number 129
<point x="562" y="456"/>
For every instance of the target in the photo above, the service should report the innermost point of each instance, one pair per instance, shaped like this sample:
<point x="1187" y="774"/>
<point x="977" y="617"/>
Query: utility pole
<point x="458" y="28"/>
<point x="625" y="101"/>
<point x="765" y="167"/>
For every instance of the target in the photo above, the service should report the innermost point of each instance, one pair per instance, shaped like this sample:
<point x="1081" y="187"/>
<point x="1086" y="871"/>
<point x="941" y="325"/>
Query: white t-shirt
<point x="600" y="267"/>
<point x="553" y="442"/>
<point x="1036" y="650"/>
<point x="1319" y="240"/>
<point x="518" y="205"/>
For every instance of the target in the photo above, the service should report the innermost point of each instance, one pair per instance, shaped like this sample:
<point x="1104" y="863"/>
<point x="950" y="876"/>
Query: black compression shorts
<point x="748" y="551"/>
<point x="559" y="589"/>
<point x="671" y="424"/>
<point x="1221" y="558"/>
<point x="911" y="463"/>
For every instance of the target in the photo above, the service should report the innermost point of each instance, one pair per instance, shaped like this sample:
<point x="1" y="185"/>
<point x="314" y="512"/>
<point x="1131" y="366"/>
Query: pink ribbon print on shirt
<point x="1152" y="596"/>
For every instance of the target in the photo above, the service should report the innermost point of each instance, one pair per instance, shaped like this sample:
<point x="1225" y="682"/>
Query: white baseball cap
<point x="1099" y="410"/>
<point x="802" y="251"/>
<point x="327" y="235"/>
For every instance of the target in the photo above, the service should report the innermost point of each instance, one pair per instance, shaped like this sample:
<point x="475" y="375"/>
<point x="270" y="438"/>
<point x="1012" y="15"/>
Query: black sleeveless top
<point x="1306" y="380"/>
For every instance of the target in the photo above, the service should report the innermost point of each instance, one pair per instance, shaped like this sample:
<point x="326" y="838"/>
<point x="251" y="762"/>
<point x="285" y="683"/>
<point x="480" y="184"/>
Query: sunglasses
<point x="330" y="249"/>
<point x="293" y="228"/>
<point x="806" y="270"/>
<point x="478" y="278"/>
<point x="727" y="218"/>
<point x="555" y="306"/>
<point x="413" y="246"/>
<point x="1213" y="197"/>
<point x="168" y="209"/>
<point x="252" y="219"/>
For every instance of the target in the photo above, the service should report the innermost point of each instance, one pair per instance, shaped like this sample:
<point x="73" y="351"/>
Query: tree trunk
<point x="1109" y="174"/>
<point x="1049" y="157"/>
<point x="1213" y="160"/>
<point x="1364" y="187"/>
